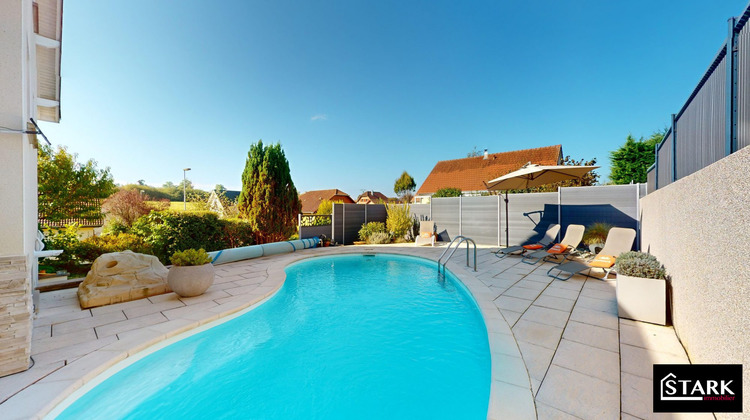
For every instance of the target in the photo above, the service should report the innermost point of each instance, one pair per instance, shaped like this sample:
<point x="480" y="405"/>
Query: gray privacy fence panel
<point x="354" y="218"/>
<point x="479" y="219"/>
<point x="651" y="179"/>
<point x="743" y="88"/>
<point x="529" y="215"/>
<point x="613" y="204"/>
<point x="701" y="126"/>
<point x="664" y="160"/>
<point x="312" y="231"/>
<point x="338" y="227"/>
<point x="642" y="190"/>
<point x="422" y="211"/>
<point x="349" y="218"/>
<point x="445" y="214"/>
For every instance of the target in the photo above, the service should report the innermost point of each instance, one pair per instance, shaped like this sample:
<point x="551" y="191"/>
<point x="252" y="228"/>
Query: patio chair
<point x="619" y="240"/>
<point x="426" y="233"/>
<point x="571" y="240"/>
<point x="545" y="242"/>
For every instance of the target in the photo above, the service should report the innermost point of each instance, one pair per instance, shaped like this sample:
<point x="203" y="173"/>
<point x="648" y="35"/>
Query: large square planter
<point x="642" y="299"/>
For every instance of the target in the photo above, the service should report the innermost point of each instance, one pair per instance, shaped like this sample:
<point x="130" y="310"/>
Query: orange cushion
<point x="557" y="249"/>
<point x="426" y="235"/>
<point x="603" y="261"/>
<point x="533" y="247"/>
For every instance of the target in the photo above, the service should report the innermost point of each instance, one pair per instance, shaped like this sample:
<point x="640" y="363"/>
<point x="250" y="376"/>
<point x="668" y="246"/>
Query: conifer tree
<point x="269" y="200"/>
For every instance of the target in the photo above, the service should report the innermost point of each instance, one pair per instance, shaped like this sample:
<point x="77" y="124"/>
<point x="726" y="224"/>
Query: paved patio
<point x="558" y="349"/>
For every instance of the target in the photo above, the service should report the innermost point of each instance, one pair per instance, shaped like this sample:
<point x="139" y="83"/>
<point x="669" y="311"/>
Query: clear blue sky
<point x="357" y="92"/>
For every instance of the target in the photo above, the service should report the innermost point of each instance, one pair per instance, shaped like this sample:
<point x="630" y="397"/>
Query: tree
<point x="405" y="187"/>
<point x="141" y="182"/>
<point x="268" y="198"/>
<point x="631" y="161"/>
<point x="447" y="192"/>
<point x="474" y="153"/>
<point x="127" y="205"/>
<point x="219" y="188"/>
<point x="69" y="189"/>
<point x="590" y="179"/>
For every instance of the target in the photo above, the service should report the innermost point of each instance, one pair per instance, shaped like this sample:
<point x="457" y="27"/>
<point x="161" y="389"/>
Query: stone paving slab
<point x="558" y="349"/>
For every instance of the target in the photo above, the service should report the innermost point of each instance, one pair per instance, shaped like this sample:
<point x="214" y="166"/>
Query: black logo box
<point x="697" y="388"/>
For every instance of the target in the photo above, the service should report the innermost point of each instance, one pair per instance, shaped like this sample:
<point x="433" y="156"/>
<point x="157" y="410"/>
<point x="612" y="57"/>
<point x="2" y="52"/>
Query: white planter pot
<point x="642" y="299"/>
<point x="190" y="281"/>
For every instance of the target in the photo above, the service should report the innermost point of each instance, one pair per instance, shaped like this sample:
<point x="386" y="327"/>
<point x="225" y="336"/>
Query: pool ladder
<point x="460" y="239"/>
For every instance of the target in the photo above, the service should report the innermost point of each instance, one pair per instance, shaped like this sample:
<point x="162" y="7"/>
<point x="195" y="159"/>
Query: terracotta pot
<point x="190" y="281"/>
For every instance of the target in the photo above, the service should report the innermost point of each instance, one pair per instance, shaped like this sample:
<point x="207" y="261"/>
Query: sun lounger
<point x="426" y="233"/>
<point x="573" y="237"/>
<point x="545" y="242"/>
<point x="619" y="240"/>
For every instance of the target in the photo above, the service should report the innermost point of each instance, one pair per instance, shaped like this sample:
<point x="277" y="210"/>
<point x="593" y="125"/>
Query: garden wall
<point x="699" y="227"/>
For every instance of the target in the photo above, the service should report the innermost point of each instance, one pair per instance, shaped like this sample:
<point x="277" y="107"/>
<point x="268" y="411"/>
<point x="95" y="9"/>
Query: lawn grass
<point x="179" y="206"/>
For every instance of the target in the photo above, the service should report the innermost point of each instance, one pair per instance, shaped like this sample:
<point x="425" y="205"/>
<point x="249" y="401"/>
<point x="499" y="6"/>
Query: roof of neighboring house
<point x="469" y="174"/>
<point x="311" y="199"/>
<point x="95" y="217"/>
<point x="232" y="195"/>
<point x="374" y="196"/>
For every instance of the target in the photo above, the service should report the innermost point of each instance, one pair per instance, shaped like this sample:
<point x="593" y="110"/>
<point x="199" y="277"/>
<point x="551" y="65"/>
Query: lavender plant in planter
<point x="641" y="288"/>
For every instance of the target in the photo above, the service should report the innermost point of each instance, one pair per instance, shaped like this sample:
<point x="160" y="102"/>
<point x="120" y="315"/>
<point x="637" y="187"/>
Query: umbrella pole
<point x="506" y="219"/>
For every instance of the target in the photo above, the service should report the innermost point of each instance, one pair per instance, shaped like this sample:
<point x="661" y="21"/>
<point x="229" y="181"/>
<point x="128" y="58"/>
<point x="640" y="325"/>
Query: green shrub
<point x="639" y="264"/>
<point x="91" y="248"/>
<point x="596" y="233"/>
<point x="379" y="238"/>
<point x="168" y="232"/>
<point x="237" y="233"/>
<point x="368" y="229"/>
<point x="67" y="240"/>
<point x="113" y="226"/>
<point x="190" y="257"/>
<point x="447" y="192"/>
<point x="399" y="220"/>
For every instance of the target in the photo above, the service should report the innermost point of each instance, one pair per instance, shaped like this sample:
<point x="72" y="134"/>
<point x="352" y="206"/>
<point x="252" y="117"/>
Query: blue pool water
<point x="347" y="337"/>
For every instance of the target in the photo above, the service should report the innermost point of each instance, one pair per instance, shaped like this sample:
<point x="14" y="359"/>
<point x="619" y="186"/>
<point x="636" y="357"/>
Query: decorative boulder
<point x="121" y="277"/>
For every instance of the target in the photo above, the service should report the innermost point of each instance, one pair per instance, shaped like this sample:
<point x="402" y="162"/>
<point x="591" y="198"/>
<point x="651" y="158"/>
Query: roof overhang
<point x="48" y="44"/>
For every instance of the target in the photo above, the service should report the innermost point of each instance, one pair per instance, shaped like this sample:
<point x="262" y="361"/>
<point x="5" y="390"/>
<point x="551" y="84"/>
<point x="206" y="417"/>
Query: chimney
<point x="486" y="155"/>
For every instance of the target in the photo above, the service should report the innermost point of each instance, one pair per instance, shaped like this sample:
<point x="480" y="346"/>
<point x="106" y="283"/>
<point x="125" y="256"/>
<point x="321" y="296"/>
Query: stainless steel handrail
<point x="460" y="239"/>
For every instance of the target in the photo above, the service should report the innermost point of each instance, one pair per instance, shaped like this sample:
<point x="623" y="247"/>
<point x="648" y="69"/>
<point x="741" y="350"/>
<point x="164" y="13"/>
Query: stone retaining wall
<point x="15" y="315"/>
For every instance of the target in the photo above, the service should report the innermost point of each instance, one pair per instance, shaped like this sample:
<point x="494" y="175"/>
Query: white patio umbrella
<point x="532" y="175"/>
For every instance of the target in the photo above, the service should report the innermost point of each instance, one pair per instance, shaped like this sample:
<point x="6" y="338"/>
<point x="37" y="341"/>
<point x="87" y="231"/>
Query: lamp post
<point x="184" y="189"/>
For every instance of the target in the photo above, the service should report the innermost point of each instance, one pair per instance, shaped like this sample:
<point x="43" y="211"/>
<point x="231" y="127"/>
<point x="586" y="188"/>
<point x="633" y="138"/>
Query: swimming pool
<point x="346" y="337"/>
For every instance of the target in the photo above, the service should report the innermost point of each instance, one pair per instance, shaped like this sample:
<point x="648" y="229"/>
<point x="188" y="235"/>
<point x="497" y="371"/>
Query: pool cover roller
<point x="264" y="250"/>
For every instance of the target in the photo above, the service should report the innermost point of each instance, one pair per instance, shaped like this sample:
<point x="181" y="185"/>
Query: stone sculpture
<point x="121" y="277"/>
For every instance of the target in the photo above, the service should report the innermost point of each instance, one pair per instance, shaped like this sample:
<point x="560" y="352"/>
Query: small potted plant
<point x="641" y="288"/>
<point x="595" y="236"/>
<point x="192" y="272"/>
<point x="324" y="240"/>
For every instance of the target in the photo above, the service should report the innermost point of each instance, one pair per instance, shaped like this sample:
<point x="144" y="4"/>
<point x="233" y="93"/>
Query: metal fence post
<point x="559" y="211"/>
<point x="431" y="209"/>
<point x="656" y="166"/>
<point x="365" y="213"/>
<point x="299" y="225"/>
<point x="498" y="220"/>
<point x="460" y="216"/>
<point x="730" y="145"/>
<point x="638" y="217"/>
<point x="343" y="224"/>
<point x="674" y="148"/>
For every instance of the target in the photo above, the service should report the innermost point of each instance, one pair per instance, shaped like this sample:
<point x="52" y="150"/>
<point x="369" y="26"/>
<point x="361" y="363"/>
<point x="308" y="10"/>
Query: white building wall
<point x="18" y="182"/>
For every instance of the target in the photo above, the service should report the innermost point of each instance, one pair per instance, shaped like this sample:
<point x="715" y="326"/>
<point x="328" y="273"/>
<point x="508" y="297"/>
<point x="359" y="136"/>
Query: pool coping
<point x="508" y="370"/>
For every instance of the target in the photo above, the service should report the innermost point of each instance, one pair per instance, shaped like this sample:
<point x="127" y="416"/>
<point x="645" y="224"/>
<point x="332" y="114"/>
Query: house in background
<point x="30" y="45"/>
<point x="470" y="174"/>
<point x="215" y="204"/>
<point x="312" y="199"/>
<point x="373" y="197"/>
<point x="87" y="227"/>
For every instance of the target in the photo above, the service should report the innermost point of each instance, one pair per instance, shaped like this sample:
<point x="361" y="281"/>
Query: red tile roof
<point x="311" y="199"/>
<point x="469" y="174"/>
<point x="374" y="197"/>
